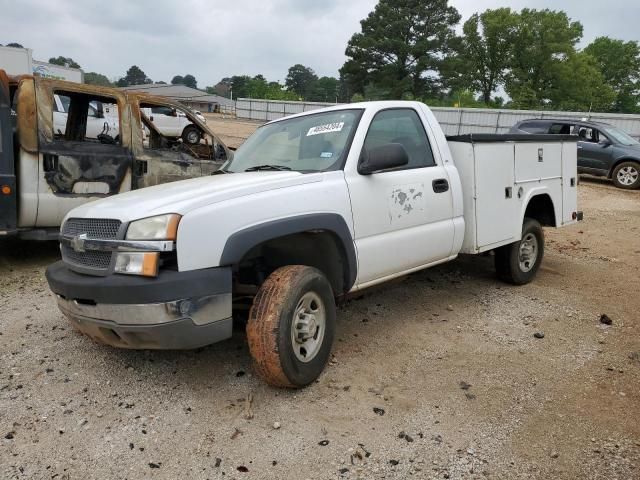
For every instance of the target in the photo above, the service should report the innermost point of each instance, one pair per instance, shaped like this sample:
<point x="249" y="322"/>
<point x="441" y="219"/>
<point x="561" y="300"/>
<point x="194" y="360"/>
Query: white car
<point x="101" y="119"/>
<point x="198" y="114"/>
<point x="173" y="123"/>
<point x="310" y="208"/>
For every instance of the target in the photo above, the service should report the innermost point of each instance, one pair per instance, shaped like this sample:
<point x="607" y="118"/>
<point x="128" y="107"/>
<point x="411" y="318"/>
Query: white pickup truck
<point x="310" y="208"/>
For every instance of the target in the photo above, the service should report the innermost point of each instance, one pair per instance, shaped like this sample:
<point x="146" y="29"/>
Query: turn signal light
<point x="6" y="190"/>
<point x="133" y="263"/>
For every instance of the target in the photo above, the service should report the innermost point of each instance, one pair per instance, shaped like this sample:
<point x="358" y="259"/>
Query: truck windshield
<point x="620" y="137"/>
<point x="312" y="143"/>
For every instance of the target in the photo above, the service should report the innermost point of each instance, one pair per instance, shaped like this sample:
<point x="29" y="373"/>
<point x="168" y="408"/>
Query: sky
<point x="212" y="39"/>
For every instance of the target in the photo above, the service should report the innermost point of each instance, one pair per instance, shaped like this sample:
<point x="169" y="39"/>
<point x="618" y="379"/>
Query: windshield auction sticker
<point x="328" y="128"/>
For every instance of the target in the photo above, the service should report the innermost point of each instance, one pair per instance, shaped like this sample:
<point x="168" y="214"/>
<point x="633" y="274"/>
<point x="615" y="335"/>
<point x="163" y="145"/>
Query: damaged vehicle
<point x="65" y="144"/>
<point x="311" y="207"/>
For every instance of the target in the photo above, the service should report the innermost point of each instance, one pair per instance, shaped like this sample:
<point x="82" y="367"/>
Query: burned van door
<point x="76" y="168"/>
<point x="157" y="166"/>
<point x="74" y="173"/>
<point x="162" y="158"/>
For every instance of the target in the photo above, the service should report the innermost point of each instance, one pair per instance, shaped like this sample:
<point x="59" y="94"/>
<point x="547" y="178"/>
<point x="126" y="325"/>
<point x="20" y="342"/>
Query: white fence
<point x="454" y="121"/>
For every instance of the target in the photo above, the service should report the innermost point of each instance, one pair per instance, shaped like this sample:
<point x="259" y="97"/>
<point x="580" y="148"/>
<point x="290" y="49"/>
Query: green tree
<point x="177" y="80"/>
<point x="93" y="78"/>
<point x="326" y="89"/>
<point x="222" y="88"/>
<point x="485" y="50"/>
<point x="14" y="45"/>
<point x="64" y="62"/>
<point x="190" y="81"/>
<point x="578" y="85"/>
<point x="401" y="42"/>
<point x="619" y="63"/>
<point x="240" y="85"/>
<point x="543" y="40"/>
<point x="301" y="80"/>
<point x="134" y="76"/>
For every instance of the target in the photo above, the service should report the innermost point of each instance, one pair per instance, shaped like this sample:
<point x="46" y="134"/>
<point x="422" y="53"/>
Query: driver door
<point x="403" y="218"/>
<point x="592" y="152"/>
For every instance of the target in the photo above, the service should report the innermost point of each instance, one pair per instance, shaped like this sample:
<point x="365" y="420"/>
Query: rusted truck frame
<point x="45" y="172"/>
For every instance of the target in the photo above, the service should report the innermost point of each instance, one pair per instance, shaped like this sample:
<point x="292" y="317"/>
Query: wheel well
<point x="189" y="127"/>
<point x="541" y="209"/>
<point x="619" y="161"/>
<point x="321" y="249"/>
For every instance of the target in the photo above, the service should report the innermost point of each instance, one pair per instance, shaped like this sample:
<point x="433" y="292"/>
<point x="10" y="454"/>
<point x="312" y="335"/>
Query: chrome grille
<point x="89" y="259"/>
<point x="104" y="229"/>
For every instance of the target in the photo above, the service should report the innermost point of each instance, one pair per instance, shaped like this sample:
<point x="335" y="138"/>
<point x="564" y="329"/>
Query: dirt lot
<point x="231" y="131"/>
<point x="447" y="357"/>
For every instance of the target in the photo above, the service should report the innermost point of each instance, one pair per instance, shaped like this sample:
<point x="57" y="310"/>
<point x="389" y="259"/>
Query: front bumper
<point x="175" y="311"/>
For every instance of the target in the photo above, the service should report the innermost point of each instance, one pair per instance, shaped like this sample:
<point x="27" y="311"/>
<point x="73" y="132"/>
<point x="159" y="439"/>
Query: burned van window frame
<point x="84" y="99"/>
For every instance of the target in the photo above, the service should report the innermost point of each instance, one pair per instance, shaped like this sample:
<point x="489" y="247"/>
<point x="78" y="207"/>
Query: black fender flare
<point x="241" y="242"/>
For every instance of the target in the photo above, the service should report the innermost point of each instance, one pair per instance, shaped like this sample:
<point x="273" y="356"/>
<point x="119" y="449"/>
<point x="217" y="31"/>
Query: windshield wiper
<point x="219" y="172"/>
<point x="267" y="168"/>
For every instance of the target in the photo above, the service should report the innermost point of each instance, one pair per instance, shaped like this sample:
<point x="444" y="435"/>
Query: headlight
<point x="162" y="227"/>
<point x="145" y="264"/>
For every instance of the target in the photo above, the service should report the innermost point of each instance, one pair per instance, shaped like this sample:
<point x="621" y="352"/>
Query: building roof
<point x="180" y="92"/>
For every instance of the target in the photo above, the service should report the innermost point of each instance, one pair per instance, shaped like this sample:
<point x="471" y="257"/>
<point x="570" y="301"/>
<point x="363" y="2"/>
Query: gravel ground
<point x="231" y="131"/>
<point x="438" y="375"/>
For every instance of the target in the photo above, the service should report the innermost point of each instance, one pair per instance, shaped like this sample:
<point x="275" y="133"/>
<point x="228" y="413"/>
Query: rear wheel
<point x="291" y="326"/>
<point x="191" y="135"/>
<point x="627" y="175"/>
<point x="519" y="262"/>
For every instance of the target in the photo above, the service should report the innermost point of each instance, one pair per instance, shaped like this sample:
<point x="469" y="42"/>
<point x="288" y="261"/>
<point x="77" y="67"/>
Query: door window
<point x="80" y="117"/>
<point x="193" y="141"/>
<point x="560" y="129"/>
<point x="403" y="126"/>
<point x="159" y="110"/>
<point x="588" y="134"/>
<point x="534" y="127"/>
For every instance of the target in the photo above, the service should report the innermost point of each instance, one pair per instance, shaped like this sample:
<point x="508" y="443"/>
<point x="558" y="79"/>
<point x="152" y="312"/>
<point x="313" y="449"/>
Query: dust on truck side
<point x="64" y="144"/>
<point x="310" y="208"/>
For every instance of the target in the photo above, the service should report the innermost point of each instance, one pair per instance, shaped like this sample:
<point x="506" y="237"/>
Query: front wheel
<point x="191" y="135"/>
<point x="627" y="175"/>
<point x="519" y="262"/>
<point x="291" y="326"/>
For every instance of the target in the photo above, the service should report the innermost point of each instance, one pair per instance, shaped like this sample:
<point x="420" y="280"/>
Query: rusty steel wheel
<point x="291" y="326"/>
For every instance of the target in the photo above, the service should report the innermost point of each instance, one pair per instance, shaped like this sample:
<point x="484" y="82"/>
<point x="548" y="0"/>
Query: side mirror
<point x="384" y="157"/>
<point x="174" y="113"/>
<point x="605" y="142"/>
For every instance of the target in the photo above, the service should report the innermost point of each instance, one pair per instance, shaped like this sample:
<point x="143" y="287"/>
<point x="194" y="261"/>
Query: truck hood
<point x="184" y="196"/>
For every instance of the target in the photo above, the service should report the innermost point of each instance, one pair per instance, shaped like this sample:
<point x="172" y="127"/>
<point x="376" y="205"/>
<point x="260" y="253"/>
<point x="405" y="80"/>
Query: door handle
<point x="50" y="162"/>
<point x="440" y="185"/>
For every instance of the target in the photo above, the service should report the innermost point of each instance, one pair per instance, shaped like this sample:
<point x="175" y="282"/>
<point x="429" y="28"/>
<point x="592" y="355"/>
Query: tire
<point x="513" y="268"/>
<point x="191" y="135"/>
<point x="279" y="357"/>
<point x="627" y="175"/>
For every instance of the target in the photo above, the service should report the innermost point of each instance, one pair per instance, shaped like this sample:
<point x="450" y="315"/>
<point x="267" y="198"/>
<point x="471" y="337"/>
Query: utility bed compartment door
<point x="569" y="181"/>
<point x="496" y="202"/>
<point x="535" y="161"/>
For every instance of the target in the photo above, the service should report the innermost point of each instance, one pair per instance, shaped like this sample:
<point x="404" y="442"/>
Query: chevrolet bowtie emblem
<point x="77" y="242"/>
